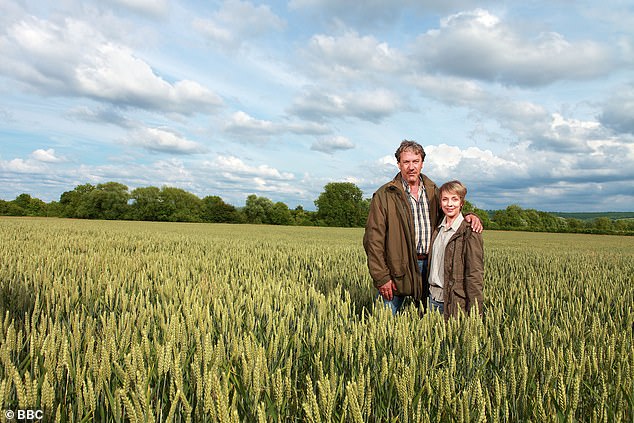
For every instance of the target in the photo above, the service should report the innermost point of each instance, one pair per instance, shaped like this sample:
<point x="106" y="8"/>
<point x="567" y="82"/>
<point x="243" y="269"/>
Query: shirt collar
<point x="455" y="225"/>
<point x="406" y="185"/>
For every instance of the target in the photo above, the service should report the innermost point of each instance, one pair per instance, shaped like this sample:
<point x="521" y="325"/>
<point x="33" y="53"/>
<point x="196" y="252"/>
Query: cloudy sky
<point x="526" y="102"/>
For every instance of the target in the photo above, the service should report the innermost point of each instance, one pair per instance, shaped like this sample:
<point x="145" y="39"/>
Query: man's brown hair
<point x="408" y="145"/>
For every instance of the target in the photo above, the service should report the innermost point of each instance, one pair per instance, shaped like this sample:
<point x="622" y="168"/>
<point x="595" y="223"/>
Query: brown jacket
<point x="463" y="270"/>
<point x="390" y="241"/>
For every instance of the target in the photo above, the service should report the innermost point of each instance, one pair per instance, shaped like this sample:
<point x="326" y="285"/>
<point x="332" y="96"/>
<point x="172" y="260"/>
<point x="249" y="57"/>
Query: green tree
<point x="532" y="218"/>
<point x="341" y="204"/>
<point x="620" y="225"/>
<point x="258" y="209"/>
<point x="109" y="201"/>
<point x="9" y="208"/>
<point x="280" y="214"/>
<point x="575" y="225"/>
<point x="146" y="204"/>
<point x="179" y="205"/>
<point x="31" y="206"/>
<point x="23" y="201"/>
<point x="511" y="217"/>
<point x="54" y="209"/>
<point x="302" y="217"/>
<point x="75" y="203"/>
<point x="214" y="209"/>
<point x="482" y="214"/>
<point x="551" y="222"/>
<point x="603" y="224"/>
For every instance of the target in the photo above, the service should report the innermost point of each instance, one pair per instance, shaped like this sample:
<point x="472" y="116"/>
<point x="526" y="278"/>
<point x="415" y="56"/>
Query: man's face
<point x="410" y="165"/>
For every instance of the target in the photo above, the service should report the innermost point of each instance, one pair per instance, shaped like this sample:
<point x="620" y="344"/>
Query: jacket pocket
<point x="457" y="286"/>
<point x="403" y="285"/>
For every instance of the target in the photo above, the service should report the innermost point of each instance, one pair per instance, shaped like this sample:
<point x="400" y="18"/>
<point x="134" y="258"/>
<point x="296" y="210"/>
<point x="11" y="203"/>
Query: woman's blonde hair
<point x="455" y="187"/>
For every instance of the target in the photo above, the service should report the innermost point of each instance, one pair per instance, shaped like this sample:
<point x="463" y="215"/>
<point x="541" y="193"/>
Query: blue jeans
<point x="436" y="306"/>
<point x="396" y="303"/>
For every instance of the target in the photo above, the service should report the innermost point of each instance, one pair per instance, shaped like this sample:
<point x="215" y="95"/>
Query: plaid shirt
<point x="420" y="211"/>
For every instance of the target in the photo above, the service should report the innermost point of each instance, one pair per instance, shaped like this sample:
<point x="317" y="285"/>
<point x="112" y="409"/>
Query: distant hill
<point x="591" y="216"/>
<point x="585" y="216"/>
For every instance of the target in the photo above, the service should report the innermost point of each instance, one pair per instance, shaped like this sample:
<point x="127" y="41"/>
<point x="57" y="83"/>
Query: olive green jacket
<point x="390" y="241"/>
<point x="463" y="270"/>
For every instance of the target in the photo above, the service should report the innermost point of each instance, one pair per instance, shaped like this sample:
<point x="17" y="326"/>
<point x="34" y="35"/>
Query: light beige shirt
<point x="437" y="264"/>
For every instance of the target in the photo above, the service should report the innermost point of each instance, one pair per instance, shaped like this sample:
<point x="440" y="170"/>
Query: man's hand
<point x="387" y="290"/>
<point x="476" y="224"/>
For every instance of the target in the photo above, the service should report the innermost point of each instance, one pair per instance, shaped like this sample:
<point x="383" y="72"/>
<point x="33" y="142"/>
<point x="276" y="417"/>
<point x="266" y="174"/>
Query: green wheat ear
<point x="134" y="321"/>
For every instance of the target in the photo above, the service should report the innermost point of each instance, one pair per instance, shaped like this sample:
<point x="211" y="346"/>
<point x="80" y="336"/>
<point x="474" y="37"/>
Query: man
<point x="403" y="215"/>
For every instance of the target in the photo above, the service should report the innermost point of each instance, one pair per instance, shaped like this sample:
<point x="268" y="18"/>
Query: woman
<point x="457" y="258"/>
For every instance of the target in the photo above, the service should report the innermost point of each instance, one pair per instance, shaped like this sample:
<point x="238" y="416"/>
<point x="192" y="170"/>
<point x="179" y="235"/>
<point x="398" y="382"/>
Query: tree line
<point x="516" y="218"/>
<point x="341" y="204"/>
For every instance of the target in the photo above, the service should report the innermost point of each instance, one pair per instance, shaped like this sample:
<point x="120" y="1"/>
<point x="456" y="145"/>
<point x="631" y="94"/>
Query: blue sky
<point x="528" y="103"/>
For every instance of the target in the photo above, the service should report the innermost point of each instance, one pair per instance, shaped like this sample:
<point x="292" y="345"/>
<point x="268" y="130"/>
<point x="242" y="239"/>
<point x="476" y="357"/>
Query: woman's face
<point x="450" y="203"/>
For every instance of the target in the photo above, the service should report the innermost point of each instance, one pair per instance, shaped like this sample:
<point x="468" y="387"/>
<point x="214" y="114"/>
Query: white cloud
<point x="241" y="124"/>
<point x="222" y="36"/>
<point x="447" y="162"/>
<point x="307" y="128"/>
<point x="525" y="121"/>
<point x="387" y="161"/>
<point x="372" y="106"/>
<point x="163" y="140"/>
<point x="450" y="90"/>
<point x="148" y="7"/>
<point x="233" y="167"/>
<point x="546" y="180"/>
<point x="19" y="165"/>
<point x="107" y="115"/>
<point x="235" y="179"/>
<point x="618" y="111"/>
<point x="173" y="172"/>
<point x="238" y="21"/>
<point x="332" y="145"/>
<point x="567" y="135"/>
<point x="372" y="12"/>
<point x="480" y="45"/>
<point x="508" y="177"/>
<point x="115" y="75"/>
<point x="523" y="93"/>
<point x="46" y="156"/>
<point x="75" y="59"/>
<point x="36" y="163"/>
<point x="351" y="56"/>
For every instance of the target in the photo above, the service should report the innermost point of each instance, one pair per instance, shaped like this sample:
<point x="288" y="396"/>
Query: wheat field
<point x="144" y="322"/>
